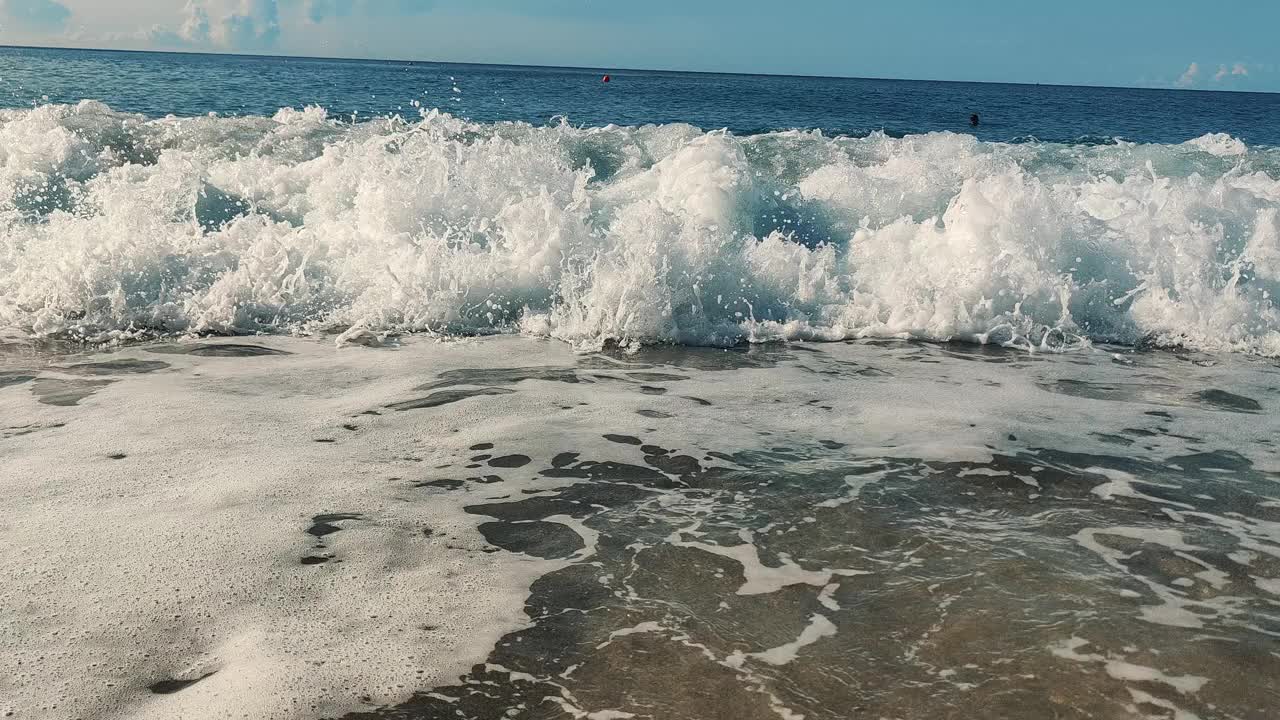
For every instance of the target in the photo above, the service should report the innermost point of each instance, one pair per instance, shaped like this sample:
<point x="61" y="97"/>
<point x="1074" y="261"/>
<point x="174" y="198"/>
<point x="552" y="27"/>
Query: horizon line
<point x="816" y="76"/>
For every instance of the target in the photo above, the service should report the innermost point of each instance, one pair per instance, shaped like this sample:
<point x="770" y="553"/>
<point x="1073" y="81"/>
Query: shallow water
<point x="502" y="527"/>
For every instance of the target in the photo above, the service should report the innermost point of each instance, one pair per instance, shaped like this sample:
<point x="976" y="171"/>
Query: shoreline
<point x="501" y="523"/>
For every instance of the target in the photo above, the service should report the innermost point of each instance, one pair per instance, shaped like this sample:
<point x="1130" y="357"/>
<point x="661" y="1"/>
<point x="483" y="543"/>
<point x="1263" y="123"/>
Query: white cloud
<point x="42" y="15"/>
<point x="1238" y="70"/>
<point x="1189" y="77"/>
<point x="253" y="25"/>
<point x="195" y="28"/>
<point x="236" y="25"/>
<point x="321" y="10"/>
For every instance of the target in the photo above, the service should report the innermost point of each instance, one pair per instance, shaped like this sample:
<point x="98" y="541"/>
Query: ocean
<point x="371" y="389"/>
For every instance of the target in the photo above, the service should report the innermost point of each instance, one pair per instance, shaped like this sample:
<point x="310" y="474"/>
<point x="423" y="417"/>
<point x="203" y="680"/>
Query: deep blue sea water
<point x="158" y="84"/>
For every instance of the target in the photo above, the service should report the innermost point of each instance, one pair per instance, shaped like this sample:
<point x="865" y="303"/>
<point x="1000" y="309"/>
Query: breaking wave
<point x="114" y="226"/>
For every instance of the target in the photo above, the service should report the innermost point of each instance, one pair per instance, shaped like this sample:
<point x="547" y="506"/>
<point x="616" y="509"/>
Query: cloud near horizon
<point x="42" y="15"/>
<point x="1224" y="73"/>
<point x="322" y="10"/>
<point x="240" y="25"/>
<point x="1189" y="77"/>
<point x="254" y="25"/>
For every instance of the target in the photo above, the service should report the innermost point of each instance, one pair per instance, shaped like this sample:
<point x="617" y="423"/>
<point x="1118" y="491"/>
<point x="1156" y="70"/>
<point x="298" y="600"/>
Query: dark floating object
<point x="612" y="471"/>
<point x="510" y="461"/>
<point x="1112" y="439"/>
<point x="623" y="439"/>
<point x="606" y="79"/>
<point x="546" y="540"/>
<point x="169" y="687"/>
<point x="442" y="484"/>
<point x="314" y="560"/>
<point x="564" y="459"/>
<point x="9" y="378"/>
<point x="1140" y="432"/>
<point x="974" y="120"/>
<point x="446" y="397"/>
<point x="65" y="393"/>
<point x="1224" y="400"/>
<point x="115" y="367"/>
<point x="117" y="456"/>
<point x="323" y="525"/>
<point x="1155" y="394"/>
<point x="683" y="466"/>
<point x="656" y="377"/>
<point x="501" y="376"/>
<point x="229" y="350"/>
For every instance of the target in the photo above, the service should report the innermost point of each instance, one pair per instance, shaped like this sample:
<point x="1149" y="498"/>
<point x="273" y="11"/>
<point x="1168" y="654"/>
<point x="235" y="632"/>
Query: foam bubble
<point x="117" y="226"/>
<point x="1219" y="144"/>
<point x="221" y="562"/>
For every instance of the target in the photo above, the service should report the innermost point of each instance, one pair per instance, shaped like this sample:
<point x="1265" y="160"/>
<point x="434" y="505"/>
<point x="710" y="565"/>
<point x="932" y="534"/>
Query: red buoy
<point x="606" y="78"/>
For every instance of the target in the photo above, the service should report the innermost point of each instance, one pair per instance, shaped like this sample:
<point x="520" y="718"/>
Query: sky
<point x="1227" y="45"/>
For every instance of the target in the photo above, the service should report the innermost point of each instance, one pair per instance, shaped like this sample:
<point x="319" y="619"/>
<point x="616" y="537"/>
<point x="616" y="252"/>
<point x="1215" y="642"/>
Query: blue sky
<point x="1228" y="45"/>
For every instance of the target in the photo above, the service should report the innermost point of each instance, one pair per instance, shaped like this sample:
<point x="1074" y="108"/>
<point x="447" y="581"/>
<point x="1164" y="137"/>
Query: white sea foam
<point x="115" y="225"/>
<point x="180" y="560"/>
<point x="819" y="627"/>
<point x="183" y="558"/>
<point x="760" y="578"/>
<point x="1219" y="144"/>
<point x="1122" y="670"/>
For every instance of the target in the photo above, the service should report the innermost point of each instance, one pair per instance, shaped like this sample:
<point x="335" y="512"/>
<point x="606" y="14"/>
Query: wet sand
<point x="503" y="528"/>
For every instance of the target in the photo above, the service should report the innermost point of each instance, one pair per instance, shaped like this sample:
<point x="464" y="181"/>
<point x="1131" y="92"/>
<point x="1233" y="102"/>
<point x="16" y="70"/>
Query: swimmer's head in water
<point x="974" y="120"/>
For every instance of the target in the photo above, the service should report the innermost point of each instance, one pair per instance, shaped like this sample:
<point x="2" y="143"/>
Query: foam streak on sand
<point x="114" y="226"/>
<point x="760" y="578"/>
<point x="283" y="529"/>
<point x="164" y="552"/>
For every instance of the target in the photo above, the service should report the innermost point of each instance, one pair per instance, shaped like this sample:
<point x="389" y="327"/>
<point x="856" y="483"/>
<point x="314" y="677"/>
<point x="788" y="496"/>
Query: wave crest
<point x="118" y="226"/>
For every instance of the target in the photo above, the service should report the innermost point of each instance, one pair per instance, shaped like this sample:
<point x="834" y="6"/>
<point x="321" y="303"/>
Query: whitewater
<point x="119" y="227"/>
